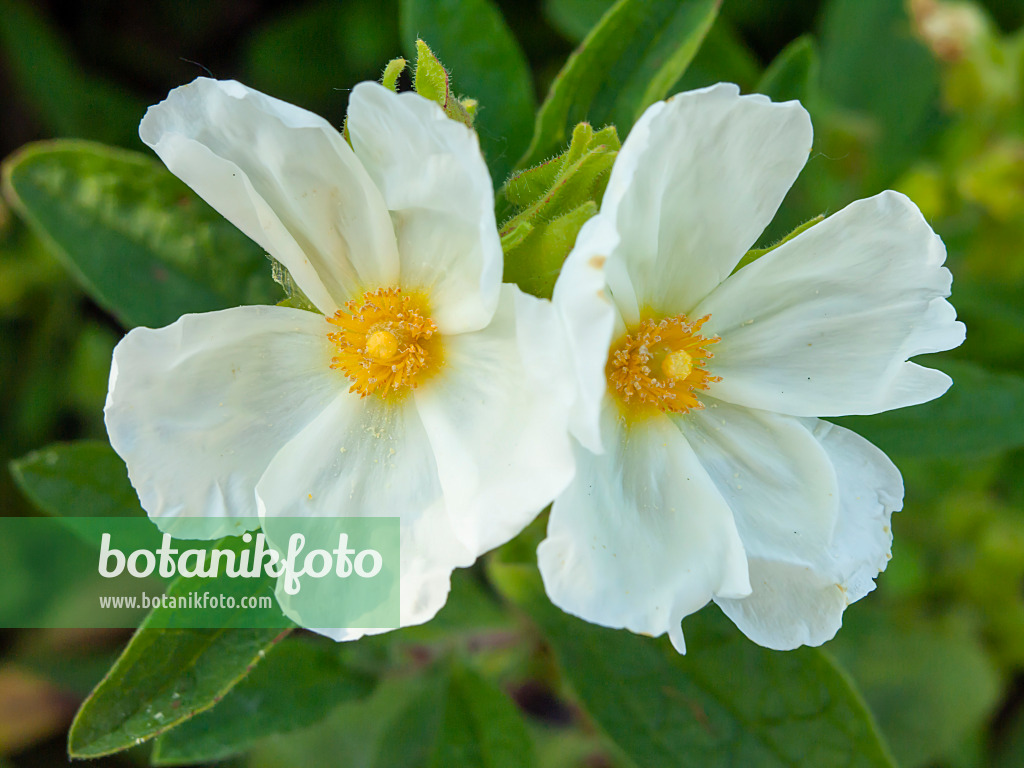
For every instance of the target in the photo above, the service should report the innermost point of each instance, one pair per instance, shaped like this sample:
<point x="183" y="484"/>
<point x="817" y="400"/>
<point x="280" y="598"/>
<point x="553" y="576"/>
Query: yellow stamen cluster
<point x="661" y="364"/>
<point x="385" y="342"/>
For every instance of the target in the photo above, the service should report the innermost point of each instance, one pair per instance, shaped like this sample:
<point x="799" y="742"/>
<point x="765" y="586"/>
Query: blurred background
<point x="924" y="97"/>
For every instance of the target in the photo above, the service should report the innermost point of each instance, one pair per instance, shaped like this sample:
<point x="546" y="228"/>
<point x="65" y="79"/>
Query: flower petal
<point x="697" y="180"/>
<point x="823" y="324"/>
<point x="588" y="315"/>
<point x="364" y="457"/>
<point x="641" y="537"/>
<point x="775" y="476"/>
<point x="435" y="183"/>
<point x="496" y="419"/>
<point x="286" y="178"/>
<point x="198" y="409"/>
<point x="799" y="603"/>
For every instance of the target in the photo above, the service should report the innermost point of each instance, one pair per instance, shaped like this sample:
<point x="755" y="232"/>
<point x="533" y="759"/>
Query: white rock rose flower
<point x="422" y="389"/>
<point x="703" y="472"/>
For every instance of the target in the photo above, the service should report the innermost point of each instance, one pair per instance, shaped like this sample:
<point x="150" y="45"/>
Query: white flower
<point x="416" y="393"/>
<point x="705" y="474"/>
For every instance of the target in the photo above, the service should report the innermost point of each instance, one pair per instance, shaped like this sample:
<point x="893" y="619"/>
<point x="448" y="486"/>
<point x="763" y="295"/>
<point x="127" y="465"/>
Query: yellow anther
<point x="386" y="343"/>
<point x="673" y="347"/>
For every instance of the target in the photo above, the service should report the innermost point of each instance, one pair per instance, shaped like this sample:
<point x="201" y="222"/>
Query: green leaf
<point x="631" y="59"/>
<point x="82" y="479"/>
<point x="461" y="720"/>
<point x="298" y="684"/>
<point x="981" y="414"/>
<point x="351" y="735"/>
<point x="574" y="18"/>
<point x="729" y="702"/>
<point x="68" y="101"/>
<point x="930" y="685"/>
<point x="481" y="726"/>
<point x="164" y="677"/>
<point x="793" y="74"/>
<point x="724" y="57"/>
<point x="863" y="42"/>
<point x="141" y="243"/>
<point x="487" y="64"/>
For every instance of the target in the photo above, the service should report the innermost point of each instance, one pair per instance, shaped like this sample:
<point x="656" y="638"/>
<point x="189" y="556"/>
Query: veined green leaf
<point x="138" y="240"/>
<point x="631" y="59"/>
<point x="82" y="479"/>
<point x="461" y="720"/>
<point x="298" y="684"/>
<point x="164" y="677"/>
<point x="728" y="702"/>
<point x="473" y="41"/>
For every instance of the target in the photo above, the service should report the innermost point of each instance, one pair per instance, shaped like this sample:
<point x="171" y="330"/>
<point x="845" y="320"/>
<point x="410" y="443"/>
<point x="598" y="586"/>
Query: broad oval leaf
<point x="139" y="241"/>
<point x="298" y="684"/>
<point x="461" y="719"/>
<point x="727" y="703"/>
<point x="632" y="58"/>
<point x="166" y="676"/>
<point x="81" y="479"/>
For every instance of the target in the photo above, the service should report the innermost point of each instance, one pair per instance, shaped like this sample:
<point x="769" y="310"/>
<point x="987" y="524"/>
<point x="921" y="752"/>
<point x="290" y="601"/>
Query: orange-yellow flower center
<point x="660" y="365"/>
<point x="386" y="343"/>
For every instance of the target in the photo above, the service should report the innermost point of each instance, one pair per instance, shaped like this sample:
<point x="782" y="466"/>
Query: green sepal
<point x="389" y="79"/>
<point x="553" y="200"/>
<point x="392" y="72"/>
<point x="756" y="253"/>
<point x="294" y="297"/>
<point x="431" y="81"/>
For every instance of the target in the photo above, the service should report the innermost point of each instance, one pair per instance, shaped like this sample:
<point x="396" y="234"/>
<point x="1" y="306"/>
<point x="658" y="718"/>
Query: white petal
<point x="697" y="180"/>
<point x="641" y="537"/>
<point x="198" y="409"/>
<point x="436" y="185"/>
<point x="286" y="178"/>
<point x="366" y="458"/>
<point x="496" y="419"/>
<point x="775" y="476"/>
<point x="798" y="603"/>
<point x="588" y="315"/>
<point x="823" y="325"/>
